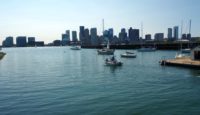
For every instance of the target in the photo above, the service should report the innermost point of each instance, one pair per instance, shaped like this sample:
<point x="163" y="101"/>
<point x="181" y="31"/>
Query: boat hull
<point x="105" y="52"/>
<point x="128" y="56"/>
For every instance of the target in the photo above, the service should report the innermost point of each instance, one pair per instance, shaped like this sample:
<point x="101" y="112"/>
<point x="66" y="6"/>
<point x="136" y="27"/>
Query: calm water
<point x="58" y="80"/>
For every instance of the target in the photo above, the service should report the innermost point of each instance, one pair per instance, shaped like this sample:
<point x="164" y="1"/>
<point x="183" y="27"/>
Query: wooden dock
<point x="182" y="62"/>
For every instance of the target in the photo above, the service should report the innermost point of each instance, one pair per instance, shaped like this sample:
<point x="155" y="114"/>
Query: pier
<point x="181" y="62"/>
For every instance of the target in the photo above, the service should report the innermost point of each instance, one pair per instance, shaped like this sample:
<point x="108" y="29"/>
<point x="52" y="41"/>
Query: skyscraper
<point x="123" y="36"/>
<point x="66" y="38"/>
<point x="87" y="37"/>
<point x="176" y="32"/>
<point x="134" y="34"/>
<point x="74" y="36"/>
<point x="81" y="33"/>
<point x="94" y="40"/>
<point x="169" y="34"/>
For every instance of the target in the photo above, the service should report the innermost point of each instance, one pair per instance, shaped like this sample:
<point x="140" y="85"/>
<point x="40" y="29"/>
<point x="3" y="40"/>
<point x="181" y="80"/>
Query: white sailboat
<point x="106" y="50"/>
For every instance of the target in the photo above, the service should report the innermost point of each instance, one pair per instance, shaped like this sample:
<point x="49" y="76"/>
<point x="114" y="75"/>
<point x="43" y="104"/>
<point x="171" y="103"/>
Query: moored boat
<point x="128" y="55"/>
<point x="113" y="62"/>
<point x="76" y="48"/>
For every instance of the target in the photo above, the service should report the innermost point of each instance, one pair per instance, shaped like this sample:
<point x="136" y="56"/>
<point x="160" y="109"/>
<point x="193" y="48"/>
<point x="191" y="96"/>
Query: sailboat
<point x="145" y="49"/>
<point x="188" y="50"/>
<point x="106" y="50"/>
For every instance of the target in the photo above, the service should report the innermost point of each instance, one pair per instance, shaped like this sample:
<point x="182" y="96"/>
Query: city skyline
<point x="46" y="20"/>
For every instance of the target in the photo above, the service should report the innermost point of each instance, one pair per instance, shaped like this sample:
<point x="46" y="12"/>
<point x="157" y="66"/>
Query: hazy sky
<point x="48" y="19"/>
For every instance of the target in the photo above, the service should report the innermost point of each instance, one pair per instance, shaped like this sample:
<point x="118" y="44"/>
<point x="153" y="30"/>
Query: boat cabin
<point x="196" y="53"/>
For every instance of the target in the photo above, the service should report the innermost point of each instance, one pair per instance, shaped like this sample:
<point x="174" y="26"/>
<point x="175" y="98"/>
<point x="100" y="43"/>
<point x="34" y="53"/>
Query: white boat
<point x="76" y="48"/>
<point x="188" y="50"/>
<point x="106" y="51"/>
<point x="128" y="55"/>
<point x="113" y="62"/>
<point x="147" y="49"/>
<point x="180" y="56"/>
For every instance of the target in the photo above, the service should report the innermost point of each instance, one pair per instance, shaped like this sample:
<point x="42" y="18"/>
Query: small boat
<point x="106" y="50"/>
<point x="147" y="49"/>
<point x="76" y="48"/>
<point x="180" y="56"/>
<point x="2" y="54"/>
<point x="188" y="50"/>
<point x="113" y="62"/>
<point x="128" y="55"/>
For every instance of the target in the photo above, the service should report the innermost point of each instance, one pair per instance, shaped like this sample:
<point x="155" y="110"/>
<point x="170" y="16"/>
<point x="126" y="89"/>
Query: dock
<point x="181" y="62"/>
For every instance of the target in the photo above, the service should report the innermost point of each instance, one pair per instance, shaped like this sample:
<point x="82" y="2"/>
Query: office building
<point x="94" y="37"/>
<point x="159" y="36"/>
<point x="169" y="34"/>
<point x="8" y="42"/>
<point x="81" y="33"/>
<point x="148" y="37"/>
<point x="31" y="41"/>
<point x="21" y="41"/>
<point x="74" y="36"/>
<point x="176" y="33"/>
<point x="123" y="36"/>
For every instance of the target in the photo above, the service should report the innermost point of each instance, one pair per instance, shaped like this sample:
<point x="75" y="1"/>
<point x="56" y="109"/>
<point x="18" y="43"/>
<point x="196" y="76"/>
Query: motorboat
<point x="75" y="48"/>
<point x="106" y="50"/>
<point x="113" y="62"/>
<point x="128" y="55"/>
<point x="147" y="49"/>
<point x="187" y="50"/>
<point x="180" y="56"/>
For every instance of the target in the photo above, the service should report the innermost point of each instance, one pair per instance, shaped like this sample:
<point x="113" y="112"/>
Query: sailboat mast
<point x="181" y="29"/>
<point x="103" y="26"/>
<point x="142" y="30"/>
<point x="190" y="27"/>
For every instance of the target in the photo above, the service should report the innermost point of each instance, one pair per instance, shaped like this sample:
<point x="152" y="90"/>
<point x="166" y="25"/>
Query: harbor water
<point x="57" y="80"/>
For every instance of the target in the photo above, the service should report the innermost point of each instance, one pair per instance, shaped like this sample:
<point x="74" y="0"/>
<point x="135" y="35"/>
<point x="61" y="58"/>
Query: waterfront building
<point x="148" y="37"/>
<point x="123" y="36"/>
<point x="94" y="39"/>
<point x="159" y="37"/>
<point x="169" y="34"/>
<point x="39" y="43"/>
<point x="8" y="42"/>
<point x="110" y="33"/>
<point x="184" y="36"/>
<point x="87" y="37"/>
<point x="31" y="41"/>
<point x="21" y="41"/>
<point x="133" y="35"/>
<point x="81" y="33"/>
<point x="57" y="43"/>
<point x="74" y="36"/>
<point x="176" y="33"/>
<point x="189" y="36"/>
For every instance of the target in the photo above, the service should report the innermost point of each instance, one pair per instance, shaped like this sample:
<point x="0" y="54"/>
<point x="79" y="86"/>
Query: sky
<point x="48" y="19"/>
